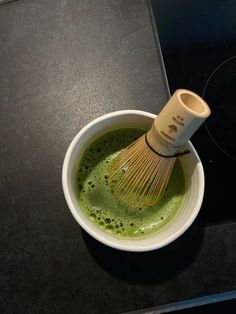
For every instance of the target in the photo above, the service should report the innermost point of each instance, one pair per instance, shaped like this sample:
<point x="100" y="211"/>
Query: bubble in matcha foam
<point x="100" y="205"/>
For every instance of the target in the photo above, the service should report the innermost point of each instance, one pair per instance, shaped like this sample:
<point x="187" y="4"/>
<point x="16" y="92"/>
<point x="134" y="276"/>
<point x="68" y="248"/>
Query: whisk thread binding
<point x="178" y="154"/>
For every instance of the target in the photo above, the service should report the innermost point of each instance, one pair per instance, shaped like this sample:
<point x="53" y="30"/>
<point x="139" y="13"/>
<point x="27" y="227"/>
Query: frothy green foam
<point x="100" y="205"/>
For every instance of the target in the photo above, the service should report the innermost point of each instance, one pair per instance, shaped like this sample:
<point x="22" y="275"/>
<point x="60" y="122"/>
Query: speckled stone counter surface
<point x="62" y="64"/>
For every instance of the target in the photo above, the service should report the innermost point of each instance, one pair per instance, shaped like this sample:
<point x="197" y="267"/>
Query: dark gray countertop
<point x="63" y="63"/>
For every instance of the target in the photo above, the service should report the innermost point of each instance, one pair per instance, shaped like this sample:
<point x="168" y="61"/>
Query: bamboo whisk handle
<point x="178" y="120"/>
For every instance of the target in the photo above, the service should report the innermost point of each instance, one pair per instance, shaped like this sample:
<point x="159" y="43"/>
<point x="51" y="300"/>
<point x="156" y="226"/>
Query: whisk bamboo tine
<point x="139" y="175"/>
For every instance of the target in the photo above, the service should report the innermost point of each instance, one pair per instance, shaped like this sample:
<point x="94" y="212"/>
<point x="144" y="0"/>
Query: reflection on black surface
<point x="149" y="267"/>
<point x="197" y="37"/>
<point x="219" y="92"/>
<point x="219" y="307"/>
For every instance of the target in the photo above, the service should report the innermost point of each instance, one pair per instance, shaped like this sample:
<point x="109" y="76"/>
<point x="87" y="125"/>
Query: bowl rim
<point x="119" y="243"/>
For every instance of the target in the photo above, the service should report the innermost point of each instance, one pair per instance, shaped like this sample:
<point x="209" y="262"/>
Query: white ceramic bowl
<point x="191" y="163"/>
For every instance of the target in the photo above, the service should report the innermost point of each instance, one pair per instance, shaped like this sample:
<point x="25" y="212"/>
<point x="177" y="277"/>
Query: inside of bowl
<point x="191" y="203"/>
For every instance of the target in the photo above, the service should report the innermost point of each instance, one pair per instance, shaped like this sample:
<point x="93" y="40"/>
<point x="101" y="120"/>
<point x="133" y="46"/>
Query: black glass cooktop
<point x="198" y="45"/>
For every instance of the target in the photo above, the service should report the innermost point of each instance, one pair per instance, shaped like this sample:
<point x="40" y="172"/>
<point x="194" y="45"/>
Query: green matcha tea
<point x="100" y="205"/>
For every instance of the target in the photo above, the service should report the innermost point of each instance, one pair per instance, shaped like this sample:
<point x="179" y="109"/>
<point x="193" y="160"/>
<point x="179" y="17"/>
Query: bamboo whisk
<point x="140" y="173"/>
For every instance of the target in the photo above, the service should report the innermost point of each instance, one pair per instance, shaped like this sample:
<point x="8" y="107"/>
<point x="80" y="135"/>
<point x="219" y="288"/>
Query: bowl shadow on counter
<point x="149" y="267"/>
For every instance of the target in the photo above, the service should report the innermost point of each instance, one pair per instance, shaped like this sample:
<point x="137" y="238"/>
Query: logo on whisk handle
<point x="172" y="128"/>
